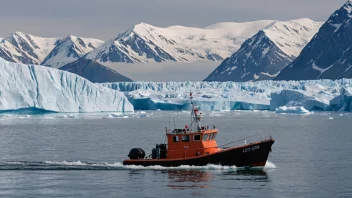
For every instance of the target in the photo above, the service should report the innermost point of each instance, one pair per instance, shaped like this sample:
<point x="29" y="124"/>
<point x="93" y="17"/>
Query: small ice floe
<point x="71" y="116"/>
<point x="23" y="117"/>
<point x="215" y="114"/>
<point x="142" y="114"/>
<point x="117" y="115"/>
<point x="108" y="116"/>
<point x="331" y="118"/>
<point x="292" y="110"/>
<point x="61" y="116"/>
<point x="66" y="116"/>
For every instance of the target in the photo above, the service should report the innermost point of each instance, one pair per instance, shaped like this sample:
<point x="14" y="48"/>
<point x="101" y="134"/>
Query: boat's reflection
<point x="185" y="179"/>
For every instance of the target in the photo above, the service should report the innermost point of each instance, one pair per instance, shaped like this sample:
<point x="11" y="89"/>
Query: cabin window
<point x="213" y="137"/>
<point x="175" y="138"/>
<point x="186" y="138"/>
<point x="196" y="137"/>
<point x="205" y="137"/>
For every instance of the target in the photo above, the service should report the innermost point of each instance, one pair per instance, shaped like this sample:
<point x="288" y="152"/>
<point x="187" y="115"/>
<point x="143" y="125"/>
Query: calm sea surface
<point x="80" y="155"/>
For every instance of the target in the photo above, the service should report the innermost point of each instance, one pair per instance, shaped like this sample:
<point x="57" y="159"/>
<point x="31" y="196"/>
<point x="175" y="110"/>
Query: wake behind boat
<point x="196" y="145"/>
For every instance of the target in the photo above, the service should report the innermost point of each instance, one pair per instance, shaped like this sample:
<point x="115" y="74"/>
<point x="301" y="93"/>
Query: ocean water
<point x="80" y="155"/>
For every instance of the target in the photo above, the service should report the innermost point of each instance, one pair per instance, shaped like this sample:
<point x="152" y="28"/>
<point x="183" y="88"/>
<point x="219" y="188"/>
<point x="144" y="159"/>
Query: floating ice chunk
<point x="297" y="98"/>
<point x="37" y="87"/>
<point x="117" y="115"/>
<point x="216" y="114"/>
<point x="331" y="118"/>
<point x="343" y="102"/>
<point x="142" y="114"/>
<point x="61" y="116"/>
<point x="292" y="110"/>
<point x="108" y="116"/>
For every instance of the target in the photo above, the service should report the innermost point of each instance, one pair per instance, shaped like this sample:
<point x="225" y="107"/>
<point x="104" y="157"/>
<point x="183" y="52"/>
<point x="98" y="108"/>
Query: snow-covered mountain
<point x="42" y="88"/>
<point x="94" y="71"/>
<point x="146" y="43"/>
<point x="26" y="48"/>
<point x="265" y="54"/>
<point x="329" y="54"/>
<point x="70" y="49"/>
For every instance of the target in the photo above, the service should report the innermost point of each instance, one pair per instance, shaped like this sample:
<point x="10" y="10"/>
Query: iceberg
<point x="342" y="102"/>
<point x="40" y="88"/>
<point x="312" y="95"/>
<point x="292" y="110"/>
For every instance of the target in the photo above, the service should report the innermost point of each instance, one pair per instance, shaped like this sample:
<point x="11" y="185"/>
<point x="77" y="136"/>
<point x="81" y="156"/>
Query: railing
<point x="245" y="141"/>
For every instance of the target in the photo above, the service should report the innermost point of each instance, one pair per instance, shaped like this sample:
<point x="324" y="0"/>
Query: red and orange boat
<point x="196" y="145"/>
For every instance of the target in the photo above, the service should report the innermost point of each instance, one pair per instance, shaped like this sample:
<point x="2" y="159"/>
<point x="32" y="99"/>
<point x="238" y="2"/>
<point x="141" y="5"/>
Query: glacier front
<point x="42" y="88"/>
<point x="317" y="95"/>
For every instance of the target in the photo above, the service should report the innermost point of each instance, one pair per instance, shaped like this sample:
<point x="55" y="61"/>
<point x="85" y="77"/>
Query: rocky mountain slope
<point x="329" y="53"/>
<point x="265" y="54"/>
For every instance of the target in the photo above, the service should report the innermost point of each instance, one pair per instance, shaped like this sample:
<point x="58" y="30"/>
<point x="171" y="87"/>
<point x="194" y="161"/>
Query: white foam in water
<point x="78" y="163"/>
<point x="183" y="167"/>
<point x="269" y="165"/>
<point x="116" y="166"/>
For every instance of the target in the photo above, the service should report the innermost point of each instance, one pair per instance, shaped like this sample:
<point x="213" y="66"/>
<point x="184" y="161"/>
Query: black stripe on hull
<point x="251" y="155"/>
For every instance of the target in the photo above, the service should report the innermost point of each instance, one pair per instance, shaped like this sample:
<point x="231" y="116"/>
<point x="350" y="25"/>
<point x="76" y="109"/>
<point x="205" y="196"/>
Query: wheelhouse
<point x="193" y="140"/>
<point x="184" y="143"/>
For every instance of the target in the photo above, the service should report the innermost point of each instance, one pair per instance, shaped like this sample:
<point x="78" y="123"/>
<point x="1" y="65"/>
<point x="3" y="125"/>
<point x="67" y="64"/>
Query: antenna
<point x="174" y="122"/>
<point x="169" y="121"/>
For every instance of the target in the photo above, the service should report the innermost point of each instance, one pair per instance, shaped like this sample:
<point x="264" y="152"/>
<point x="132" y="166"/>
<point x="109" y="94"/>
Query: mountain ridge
<point x="329" y="54"/>
<point x="265" y="54"/>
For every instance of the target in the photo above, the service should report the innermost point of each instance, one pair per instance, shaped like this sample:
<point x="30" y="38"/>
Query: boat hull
<point x="250" y="155"/>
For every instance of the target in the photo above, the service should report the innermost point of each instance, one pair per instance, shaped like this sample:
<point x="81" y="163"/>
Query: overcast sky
<point x="104" y="19"/>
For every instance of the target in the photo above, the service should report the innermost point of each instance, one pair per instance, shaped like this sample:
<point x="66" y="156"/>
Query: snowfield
<point x="294" y="96"/>
<point x="46" y="89"/>
<point x="145" y="43"/>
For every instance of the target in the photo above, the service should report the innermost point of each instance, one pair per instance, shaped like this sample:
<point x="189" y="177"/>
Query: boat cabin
<point x="192" y="141"/>
<point x="183" y="143"/>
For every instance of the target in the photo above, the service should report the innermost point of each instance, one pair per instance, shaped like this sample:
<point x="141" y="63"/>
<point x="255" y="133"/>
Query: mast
<point x="195" y="117"/>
